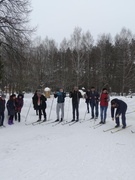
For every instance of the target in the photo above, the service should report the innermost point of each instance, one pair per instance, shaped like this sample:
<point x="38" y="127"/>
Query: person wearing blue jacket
<point x="60" y="95"/>
<point x="121" y="108"/>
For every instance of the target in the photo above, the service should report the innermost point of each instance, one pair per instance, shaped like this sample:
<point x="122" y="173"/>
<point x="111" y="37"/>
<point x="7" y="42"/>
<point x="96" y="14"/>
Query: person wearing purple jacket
<point x="121" y="108"/>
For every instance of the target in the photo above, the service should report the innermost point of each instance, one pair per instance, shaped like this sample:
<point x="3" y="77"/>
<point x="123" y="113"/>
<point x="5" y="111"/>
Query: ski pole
<point x="130" y="112"/>
<point x="28" y="112"/>
<point x="50" y="109"/>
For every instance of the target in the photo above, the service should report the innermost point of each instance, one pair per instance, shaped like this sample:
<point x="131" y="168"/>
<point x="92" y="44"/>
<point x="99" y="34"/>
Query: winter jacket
<point x="2" y="105"/>
<point x="94" y="97"/>
<point x="75" y="95"/>
<point x="34" y="100"/>
<point x="18" y="104"/>
<point x="42" y="102"/>
<point x="60" y="97"/>
<point x="11" y="107"/>
<point x="87" y="96"/>
<point x="104" y="98"/>
<point x="121" y="107"/>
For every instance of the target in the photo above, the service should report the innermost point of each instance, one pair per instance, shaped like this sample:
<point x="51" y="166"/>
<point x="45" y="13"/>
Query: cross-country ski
<point x="119" y="129"/>
<point x="109" y="129"/>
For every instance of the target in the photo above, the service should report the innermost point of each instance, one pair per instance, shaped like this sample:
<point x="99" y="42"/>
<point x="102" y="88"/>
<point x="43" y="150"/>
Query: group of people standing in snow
<point x="92" y="98"/>
<point x="13" y="105"/>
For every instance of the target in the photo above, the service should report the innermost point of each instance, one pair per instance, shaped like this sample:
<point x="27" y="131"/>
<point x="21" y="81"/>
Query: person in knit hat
<point x="104" y="99"/>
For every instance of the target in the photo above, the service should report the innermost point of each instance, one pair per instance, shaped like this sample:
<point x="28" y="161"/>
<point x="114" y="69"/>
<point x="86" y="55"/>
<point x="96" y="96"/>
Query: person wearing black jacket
<point x="121" y="108"/>
<point x="75" y="95"/>
<point x="34" y="101"/>
<point x="87" y="98"/>
<point x="94" y="102"/>
<point x="40" y="103"/>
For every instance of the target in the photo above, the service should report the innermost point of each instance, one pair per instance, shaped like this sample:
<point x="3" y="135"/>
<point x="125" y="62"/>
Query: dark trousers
<point x="40" y="113"/>
<point x="17" y="114"/>
<point x="1" y="118"/>
<point x="75" y="110"/>
<point x="88" y="105"/>
<point x="94" y="109"/>
<point x="10" y="120"/>
<point x="123" y="117"/>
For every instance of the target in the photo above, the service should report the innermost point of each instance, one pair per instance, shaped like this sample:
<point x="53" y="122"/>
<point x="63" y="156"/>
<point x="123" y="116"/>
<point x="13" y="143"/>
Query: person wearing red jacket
<point x="18" y="106"/>
<point x="104" y="99"/>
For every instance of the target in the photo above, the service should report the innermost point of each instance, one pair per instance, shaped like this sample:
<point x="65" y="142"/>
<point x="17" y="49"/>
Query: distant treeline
<point x="27" y="65"/>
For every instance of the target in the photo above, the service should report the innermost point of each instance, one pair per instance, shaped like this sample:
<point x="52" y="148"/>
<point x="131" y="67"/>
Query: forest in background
<point x="27" y="65"/>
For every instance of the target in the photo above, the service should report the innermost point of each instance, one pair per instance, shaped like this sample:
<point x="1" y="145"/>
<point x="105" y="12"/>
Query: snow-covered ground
<point x="64" y="152"/>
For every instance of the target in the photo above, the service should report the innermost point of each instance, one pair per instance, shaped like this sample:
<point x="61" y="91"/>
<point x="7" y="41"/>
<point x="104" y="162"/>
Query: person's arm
<point x="80" y="95"/>
<point x="55" y="94"/>
<point x="71" y="94"/>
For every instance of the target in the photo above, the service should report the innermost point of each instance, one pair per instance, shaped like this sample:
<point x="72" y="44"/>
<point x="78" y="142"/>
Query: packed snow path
<point x="77" y="152"/>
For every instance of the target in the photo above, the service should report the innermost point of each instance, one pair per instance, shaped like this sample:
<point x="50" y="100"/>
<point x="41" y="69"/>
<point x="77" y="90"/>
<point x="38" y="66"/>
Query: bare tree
<point x="105" y="63"/>
<point x="78" y="61"/>
<point x="125" y="62"/>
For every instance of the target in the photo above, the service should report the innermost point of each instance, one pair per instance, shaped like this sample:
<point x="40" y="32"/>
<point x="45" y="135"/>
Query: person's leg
<point x="117" y="119"/>
<point x="88" y="107"/>
<point x="19" y="116"/>
<point x="123" y="117"/>
<point x="2" y="116"/>
<point x="96" y="109"/>
<point x="73" y="106"/>
<point x="101" y="113"/>
<point x="39" y="111"/>
<point x="11" y="119"/>
<point x="36" y="111"/>
<point x="104" y="114"/>
<point x="92" y="110"/>
<point x="57" y="110"/>
<point x="62" y="111"/>
<point x="44" y="114"/>
<point x="77" y="112"/>
<point x="1" y="120"/>
<point x="15" y="116"/>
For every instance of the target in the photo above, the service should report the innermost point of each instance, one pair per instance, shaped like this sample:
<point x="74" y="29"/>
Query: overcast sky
<point x="58" y="18"/>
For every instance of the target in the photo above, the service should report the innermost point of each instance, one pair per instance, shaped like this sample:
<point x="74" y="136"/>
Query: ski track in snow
<point x="77" y="152"/>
